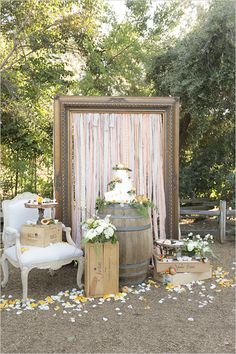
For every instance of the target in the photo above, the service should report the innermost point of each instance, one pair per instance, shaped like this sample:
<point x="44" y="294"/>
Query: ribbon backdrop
<point x="100" y="140"/>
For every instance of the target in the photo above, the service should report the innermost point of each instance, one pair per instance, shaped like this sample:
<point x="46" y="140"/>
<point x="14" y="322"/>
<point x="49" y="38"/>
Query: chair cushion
<point x="34" y="255"/>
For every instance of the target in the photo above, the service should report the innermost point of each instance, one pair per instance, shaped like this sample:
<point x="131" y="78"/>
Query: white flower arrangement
<point x="195" y="245"/>
<point x="99" y="230"/>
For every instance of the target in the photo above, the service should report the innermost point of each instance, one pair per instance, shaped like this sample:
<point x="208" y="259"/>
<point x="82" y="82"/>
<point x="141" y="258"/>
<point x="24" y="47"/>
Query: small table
<point x="41" y="208"/>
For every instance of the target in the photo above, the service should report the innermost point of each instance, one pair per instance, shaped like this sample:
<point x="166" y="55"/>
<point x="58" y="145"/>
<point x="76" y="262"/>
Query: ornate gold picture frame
<point x="167" y="106"/>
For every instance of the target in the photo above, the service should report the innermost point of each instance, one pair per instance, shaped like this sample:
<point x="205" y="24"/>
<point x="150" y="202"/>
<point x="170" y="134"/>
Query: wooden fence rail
<point x="222" y="213"/>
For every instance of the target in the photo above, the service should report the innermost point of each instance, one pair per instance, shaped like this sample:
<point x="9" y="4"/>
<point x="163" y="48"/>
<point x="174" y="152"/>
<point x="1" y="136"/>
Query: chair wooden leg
<point x="4" y="263"/>
<point x="24" y="280"/>
<point x="80" y="272"/>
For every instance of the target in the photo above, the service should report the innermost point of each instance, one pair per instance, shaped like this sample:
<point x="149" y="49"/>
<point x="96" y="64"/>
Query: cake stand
<point x="41" y="207"/>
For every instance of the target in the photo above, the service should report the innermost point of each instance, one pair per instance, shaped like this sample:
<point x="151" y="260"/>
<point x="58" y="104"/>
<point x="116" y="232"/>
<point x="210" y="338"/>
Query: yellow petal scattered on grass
<point x="33" y="305"/>
<point x="226" y="283"/>
<point x="57" y="308"/>
<point x="81" y="298"/>
<point x="42" y="302"/>
<point x="151" y="282"/>
<point x="4" y="304"/>
<point x="49" y="300"/>
<point x="170" y="286"/>
<point x="119" y="295"/>
<point x="12" y="302"/>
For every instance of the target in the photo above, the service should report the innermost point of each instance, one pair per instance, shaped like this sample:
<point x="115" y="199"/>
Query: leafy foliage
<point x="70" y="46"/>
<point x="35" y="35"/>
<point x="200" y="70"/>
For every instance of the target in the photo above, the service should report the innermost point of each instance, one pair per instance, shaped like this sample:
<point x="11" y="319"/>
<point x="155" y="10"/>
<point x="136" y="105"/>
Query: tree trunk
<point x="35" y="174"/>
<point x="17" y="174"/>
<point x="184" y="124"/>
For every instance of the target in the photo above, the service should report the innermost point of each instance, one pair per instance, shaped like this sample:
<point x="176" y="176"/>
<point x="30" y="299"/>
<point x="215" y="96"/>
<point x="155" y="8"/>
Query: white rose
<point x="103" y="224"/>
<point x="109" y="232"/>
<point x="90" y="221"/>
<point x="91" y="234"/>
<point x="190" y="246"/>
<point x="99" y="230"/>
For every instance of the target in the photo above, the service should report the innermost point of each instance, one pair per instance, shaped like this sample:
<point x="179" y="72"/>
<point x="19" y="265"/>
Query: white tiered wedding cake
<point x="122" y="191"/>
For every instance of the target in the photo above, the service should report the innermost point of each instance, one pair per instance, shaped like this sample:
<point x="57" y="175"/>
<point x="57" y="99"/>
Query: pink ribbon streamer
<point x="102" y="139"/>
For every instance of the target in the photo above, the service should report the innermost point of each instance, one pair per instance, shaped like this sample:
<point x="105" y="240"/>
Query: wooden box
<point x="41" y="235"/>
<point x="181" y="278"/>
<point x="101" y="269"/>
<point x="183" y="267"/>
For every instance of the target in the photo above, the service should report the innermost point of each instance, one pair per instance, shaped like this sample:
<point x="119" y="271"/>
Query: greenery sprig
<point x="141" y="203"/>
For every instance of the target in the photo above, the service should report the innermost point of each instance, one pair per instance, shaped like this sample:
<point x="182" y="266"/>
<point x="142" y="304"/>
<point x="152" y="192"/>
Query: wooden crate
<point x="101" y="269"/>
<point x="41" y="235"/>
<point x="182" y="267"/>
<point x="181" y="278"/>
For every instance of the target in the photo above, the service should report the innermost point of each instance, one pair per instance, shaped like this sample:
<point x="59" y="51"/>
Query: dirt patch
<point x="151" y="321"/>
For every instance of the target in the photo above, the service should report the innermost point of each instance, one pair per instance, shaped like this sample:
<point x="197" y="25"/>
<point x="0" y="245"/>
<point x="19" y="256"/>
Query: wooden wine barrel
<point x="135" y="241"/>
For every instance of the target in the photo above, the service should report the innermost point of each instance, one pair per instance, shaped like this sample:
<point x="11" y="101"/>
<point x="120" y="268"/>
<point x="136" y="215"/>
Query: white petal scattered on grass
<point x="210" y="297"/>
<point x="44" y="307"/>
<point x="189" y="299"/>
<point x="213" y="286"/>
<point x="79" y="315"/>
<point x="85" y="311"/>
<point x="117" y="309"/>
<point x="19" y="312"/>
<point x="94" y="306"/>
<point x="119" y="313"/>
<point x="130" y="306"/>
<point x="72" y="319"/>
<point x="191" y="319"/>
<point x="105" y="319"/>
<point x="174" y="298"/>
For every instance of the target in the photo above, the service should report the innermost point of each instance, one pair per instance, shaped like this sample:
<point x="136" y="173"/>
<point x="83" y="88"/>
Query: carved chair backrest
<point x="15" y="214"/>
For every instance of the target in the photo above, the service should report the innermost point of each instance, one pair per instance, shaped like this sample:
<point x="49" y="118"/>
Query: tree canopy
<point x="200" y="70"/>
<point x="79" y="47"/>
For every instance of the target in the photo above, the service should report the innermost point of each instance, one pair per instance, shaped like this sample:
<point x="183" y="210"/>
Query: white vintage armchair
<point x="27" y="257"/>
